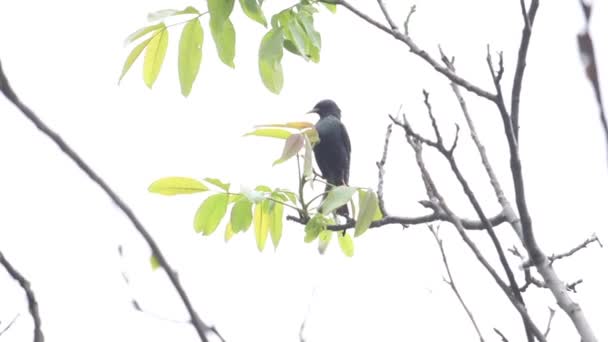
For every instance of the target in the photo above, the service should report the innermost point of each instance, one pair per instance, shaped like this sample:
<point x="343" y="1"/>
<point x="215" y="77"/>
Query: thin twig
<point x="8" y="326"/>
<point x="380" y="164"/>
<point x="450" y="280"/>
<point x="503" y="338"/>
<point x="387" y="16"/>
<point x="551" y="314"/>
<point x="417" y="51"/>
<point x="25" y="284"/>
<point x="199" y="325"/>
<point x="584" y="244"/>
<point x="406" y="24"/>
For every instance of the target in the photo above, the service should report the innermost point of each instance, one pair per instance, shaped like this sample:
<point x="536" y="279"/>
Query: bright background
<point x="63" y="59"/>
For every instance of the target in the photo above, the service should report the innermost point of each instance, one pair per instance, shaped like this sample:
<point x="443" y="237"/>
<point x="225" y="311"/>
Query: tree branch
<point x="380" y="164"/>
<point x="199" y="325"/>
<point x="25" y="285"/>
<point x="528" y="16"/>
<point x="417" y="51"/>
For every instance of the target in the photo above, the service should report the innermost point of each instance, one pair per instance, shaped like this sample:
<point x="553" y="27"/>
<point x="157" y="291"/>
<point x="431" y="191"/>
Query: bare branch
<point x="9" y="325"/>
<point x="551" y="314"/>
<point x="406" y="24"/>
<point x="380" y="164"/>
<point x="450" y="280"/>
<point x="584" y="244"/>
<point x="502" y="337"/>
<point x="418" y="51"/>
<point x="199" y="325"/>
<point x="25" y="284"/>
<point x="521" y="61"/>
<point x="387" y="16"/>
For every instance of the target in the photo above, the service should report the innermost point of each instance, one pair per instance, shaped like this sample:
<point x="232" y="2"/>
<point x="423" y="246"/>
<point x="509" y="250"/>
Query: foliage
<point x="263" y="207"/>
<point x="291" y="29"/>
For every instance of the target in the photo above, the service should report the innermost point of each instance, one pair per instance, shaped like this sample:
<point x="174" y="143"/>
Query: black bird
<point x="333" y="150"/>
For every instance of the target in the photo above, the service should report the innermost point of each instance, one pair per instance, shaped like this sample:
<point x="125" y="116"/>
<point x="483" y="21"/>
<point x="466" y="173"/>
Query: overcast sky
<point x="63" y="59"/>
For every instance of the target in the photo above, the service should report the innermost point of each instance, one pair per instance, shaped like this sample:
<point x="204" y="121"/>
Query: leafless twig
<point x="450" y="280"/>
<point x="503" y="338"/>
<point x="387" y="16"/>
<point x="380" y="164"/>
<point x="5" y="88"/>
<point x="551" y="314"/>
<point x="584" y="244"/>
<point x="8" y="326"/>
<point x="25" y="284"/>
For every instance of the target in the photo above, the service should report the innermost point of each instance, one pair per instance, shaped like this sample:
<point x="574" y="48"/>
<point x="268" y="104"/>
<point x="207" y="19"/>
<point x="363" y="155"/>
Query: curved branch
<point x="31" y="298"/>
<point x="5" y="88"/>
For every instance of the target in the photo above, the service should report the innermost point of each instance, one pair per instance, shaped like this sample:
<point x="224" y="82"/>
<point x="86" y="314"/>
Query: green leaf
<point x="294" y="124"/>
<point x="293" y="144"/>
<point x="132" y="57"/>
<point x="276" y="228"/>
<point x="190" y="54"/>
<point x="176" y="186"/>
<point x="346" y="244"/>
<point x="271" y="132"/>
<point x="143" y="31"/>
<point x="263" y="188"/>
<point x="330" y="7"/>
<point x="261" y="222"/>
<point x="312" y="135"/>
<point x="162" y="14"/>
<point x="366" y="212"/>
<point x="291" y="47"/>
<point x="218" y="183"/>
<point x="228" y="233"/>
<point x="269" y="63"/>
<point x="337" y="197"/>
<point x="240" y="216"/>
<point x="377" y="213"/>
<point x="252" y="9"/>
<point x="154" y="262"/>
<point x="210" y="213"/>
<point x="220" y="9"/>
<point x="313" y="228"/>
<point x="324" y="240"/>
<point x="307" y="157"/>
<point x="224" y="37"/>
<point x="155" y="55"/>
<point x="296" y="34"/>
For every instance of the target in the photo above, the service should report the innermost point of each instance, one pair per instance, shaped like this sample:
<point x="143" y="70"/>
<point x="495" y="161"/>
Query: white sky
<point x="64" y="57"/>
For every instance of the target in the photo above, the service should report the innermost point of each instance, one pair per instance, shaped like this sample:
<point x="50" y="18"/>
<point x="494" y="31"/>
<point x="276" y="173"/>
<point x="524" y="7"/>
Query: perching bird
<point x="333" y="150"/>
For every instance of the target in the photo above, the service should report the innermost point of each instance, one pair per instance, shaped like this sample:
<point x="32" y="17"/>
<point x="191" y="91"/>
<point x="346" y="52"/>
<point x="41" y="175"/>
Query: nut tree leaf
<point x="377" y="213"/>
<point x="218" y="183"/>
<point x="291" y="47"/>
<point x="307" y="158"/>
<point x="324" y="240"/>
<point x="240" y="216"/>
<point x="133" y="56"/>
<point x="269" y="60"/>
<point x="346" y="244"/>
<point x="143" y="31"/>
<point x="330" y="7"/>
<point x="176" y="186"/>
<point x="276" y="228"/>
<point x="270" y="132"/>
<point x="210" y="213"/>
<point x="293" y="144"/>
<point x="154" y="262"/>
<point x="296" y="124"/>
<point x="224" y="37"/>
<point x="312" y="230"/>
<point x="252" y="9"/>
<point x="220" y="9"/>
<point x="262" y="220"/>
<point x="295" y="33"/>
<point x="228" y="233"/>
<point x="155" y="55"/>
<point x="369" y="204"/>
<point x="337" y="197"/>
<point x="190" y="54"/>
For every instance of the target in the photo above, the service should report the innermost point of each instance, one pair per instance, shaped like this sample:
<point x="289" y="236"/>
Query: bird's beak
<point x="312" y="111"/>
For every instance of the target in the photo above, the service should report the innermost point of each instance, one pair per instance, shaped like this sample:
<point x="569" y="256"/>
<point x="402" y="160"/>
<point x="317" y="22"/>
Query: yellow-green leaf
<point x="276" y="228"/>
<point x="218" y="183"/>
<point x="132" y="57"/>
<point x="324" y="240"/>
<point x="210" y="213"/>
<point x="220" y="9"/>
<point x="162" y="14"/>
<point x="155" y="55"/>
<point x="143" y="31"/>
<point x="369" y="205"/>
<point x="377" y="213"/>
<point x="312" y="135"/>
<point x="190" y="54"/>
<point x="271" y="133"/>
<point x="228" y="233"/>
<point x="307" y="172"/>
<point x="252" y="9"/>
<point x="177" y="186"/>
<point x="337" y="197"/>
<point x="346" y="244"/>
<point x="240" y="216"/>
<point x="293" y="144"/>
<point x="296" y="124"/>
<point x="154" y="262"/>
<point x="313" y="228"/>
<point x="269" y="63"/>
<point x="261" y="222"/>
<point x="224" y="37"/>
<point x="330" y="7"/>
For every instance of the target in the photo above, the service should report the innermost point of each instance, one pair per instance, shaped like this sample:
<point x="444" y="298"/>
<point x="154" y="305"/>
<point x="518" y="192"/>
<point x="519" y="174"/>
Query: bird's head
<point x="327" y="108"/>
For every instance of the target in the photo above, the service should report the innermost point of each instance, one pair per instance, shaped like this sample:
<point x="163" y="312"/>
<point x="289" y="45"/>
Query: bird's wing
<point x="346" y="141"/>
